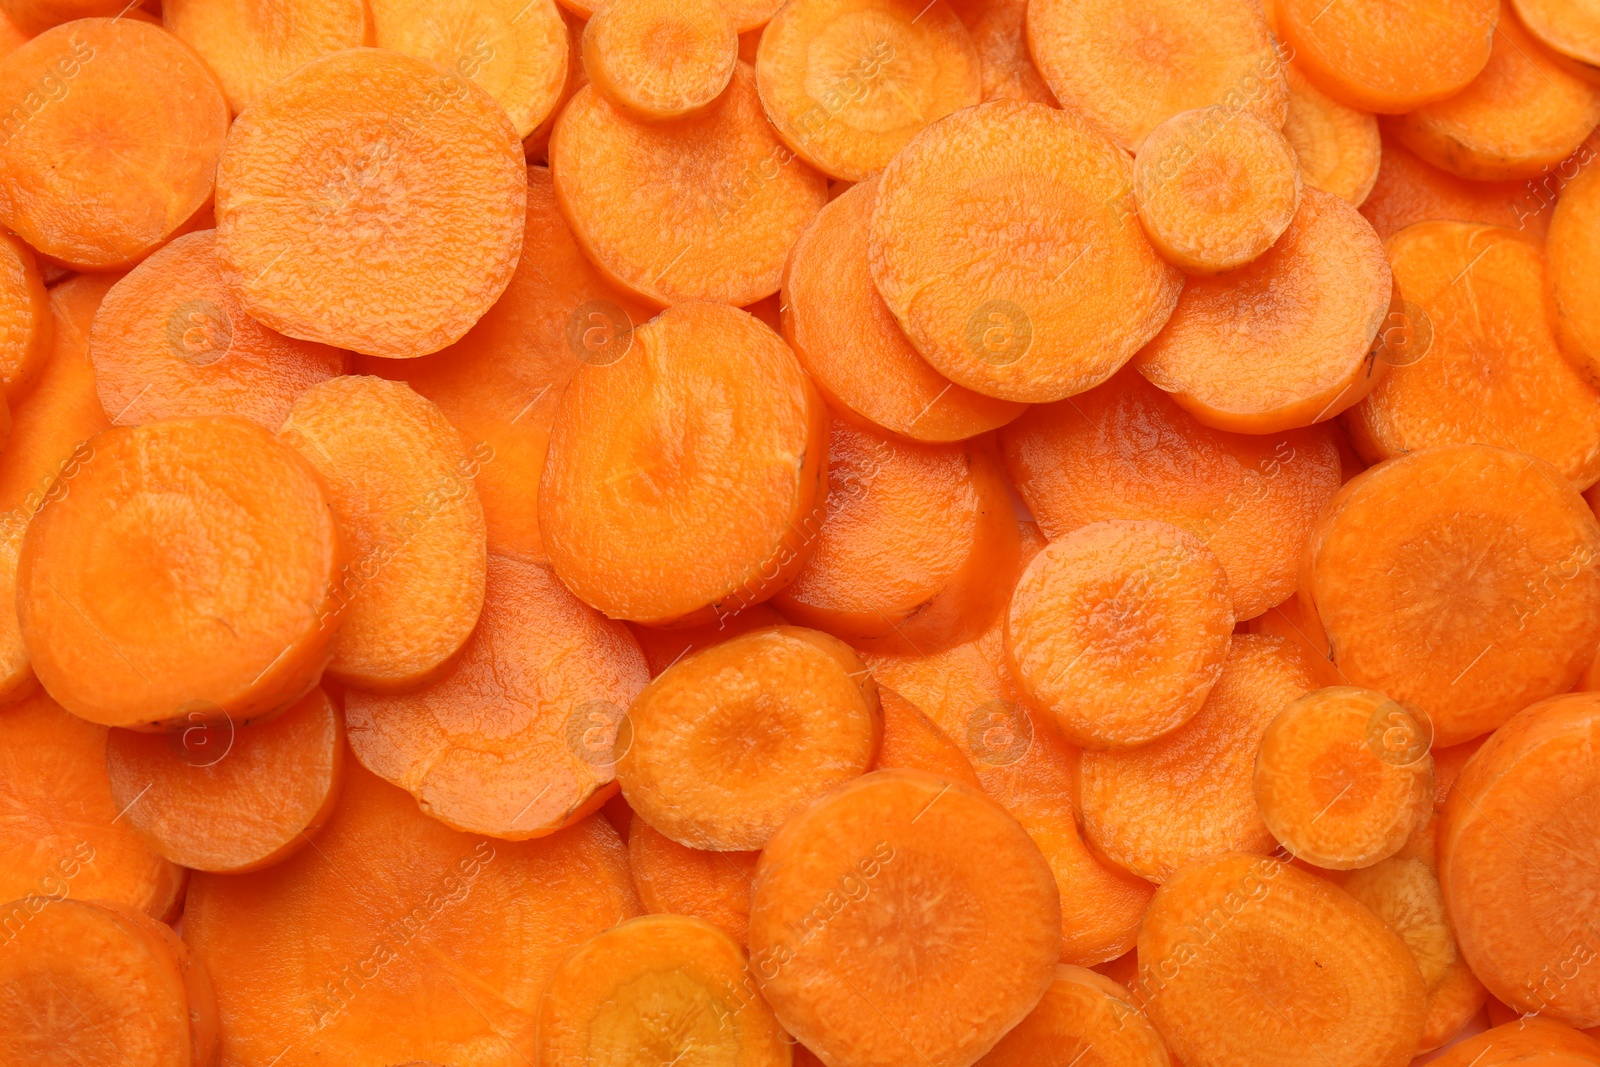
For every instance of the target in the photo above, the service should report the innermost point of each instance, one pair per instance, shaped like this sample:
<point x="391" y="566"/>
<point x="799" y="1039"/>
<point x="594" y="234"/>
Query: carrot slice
<point x="1572" y="253"/>
<point x="1058" y="286"/>
<point x="634" y="504"/>
<point x="660" y="59"/>
<point x="1460" y="580"/>
<point x="12" y="36"/>
<point x="846" y="99"/>
<point x="849" y="341"/>
<point x="1119" y="630"/>
<point x="203" y="1025"/>
<point x="537" y="143"/>
<point x="1083" y="1015"/>
<point x="1569" y="29"/>
<point x="749" y="16"/>
<point x="1248" y="961"/>
<point x="1529" y="1040"/>
<point x="1339" y="148"/>
<point x="36" y="16"/>
<point x="114" y="145"/>
<point x="678" y="880"/>
<point x="517" y="739"/>
<point x="903" y="919"/>
<point x="1289" y="622"/>
<point x="321" y="229"/>
<point x="1389" y="57"/>
<point x="912" y="742"/>
<point x="664" y="646"/>
<point x="733" y="740"/>
<point x="1132" y="68"/>
<point x="945" y="509"/>
<point x="1251" y="499"/>
<point x="25" y="322"/>
<point x="729" y="198"/>
<point x="1492" y="372"/>
<point x="1410" y="190"/>
<point x="999" y="32"/>
<point x="1448" y="763"/>
<point x="397" y="937"/>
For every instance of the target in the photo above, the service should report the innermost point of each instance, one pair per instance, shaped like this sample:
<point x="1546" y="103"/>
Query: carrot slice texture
<point x="1058" y="286"/>
<point x="912" y="742"/>
<point x="116" y="142"/>
<point x="1339" y="148"/>
<point x="942" y="923"/>
<point x="1251" y="499"/>
<point x="1289" y="622"/>
<point x="1410" y="190"/>
<point x="678" y="880"/>
<point x="664" y="646"/>
<point x="1528" y="1040"/>
<point x="837" y="323"/>
<point x="999" y="32"/>
<point x="392" y="894"/>
<point x="660" y="59"/>
<point x="321" y="233"/>
<point x="411" y="520"/>
<point x="36" y="16"/>
<point x="1119" y="630"/>
<point x="1491" y="372"/>
<point x="203" y="1026"/>
<point x="517" y="738"/>
<point x="633" y="503"/>
<point x="227" y="798"/>
<point x="733" y="740"/>
<point x="729" y="198"/>
<point x="1083" y="1015"/>
<point x="1570" y="29"/>
<point x="1459" y="580"/>
<point x="846" y="98"/>
<point x="25" y="321"/>
<point x="673" y="985"/>
<point x="917" y="548"/>
<point x="1572" y="262"/>
<point x="749" y="16"/>
<point x="145" y="593"/>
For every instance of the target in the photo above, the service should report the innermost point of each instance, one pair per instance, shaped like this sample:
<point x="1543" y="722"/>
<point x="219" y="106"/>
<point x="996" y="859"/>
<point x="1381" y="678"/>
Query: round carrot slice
<point x="519" y="738"/>
<point x="847" y="83"/>
<point x="946" y="511"/>
<point x="148" y="592"/>
<point x="371" y="201"/>
<point x="1460" y="580"/>
<point x="1518" y="828"/>
<point x="223" y="798"/>
<point x="660" y="59"/>
<point x="850" y="343"/>
<point x="664" y="646"/>
<point x="1389" y="56"/>
<point x="1245" y="960"/>
<point x="1216" y="187"/>
<point x="114" y="143"/>
<point x="1057" y="286"/>
<point x="608" y="1000"/>
<point x="1572" y="261"/>
<point x="1338" y="147"/>
<point x="1570" y="29"/>
<point x="1083" y="1015"/>
<point x="728" y="198"/>
<point x="170" y="341"/>
<point x="634" y="507"/>
<point x="1131" y="68"/>
<point x="251" y="44"/>
<point x="1119" y="630"/>
<point x="999" y="32"/>
<point x="733" y="740"/>
<point x="912" y="742"/>
<point x="1524" y="1040"/>
<point x="25" y="323"/>
<point x="674" y="879"/>
<point x="1491" y="372"/>
<point x="938" y="929"/>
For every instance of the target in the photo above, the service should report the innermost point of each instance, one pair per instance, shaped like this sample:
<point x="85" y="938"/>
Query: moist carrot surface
<point x="912" y="741"/>
<point x="25" y="320"/>
<point x="674" y="879"/>
<point x="1409" y="190"/>
<point x="1083" y="1015"/>
<point x="999" y="31"/>
<point x="660" y="60"/>
<point x="1571" y="252"/>
<point x="1339" y="147"/>
<point x="1571" y="30"/>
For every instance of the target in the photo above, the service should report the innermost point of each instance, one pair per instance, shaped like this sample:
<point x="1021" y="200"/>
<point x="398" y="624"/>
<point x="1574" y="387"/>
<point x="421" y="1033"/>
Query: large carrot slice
<point x="903" y="919"/>
<point x="114" y="143"/>
<point x="1085" y="1016"/>
<point x="25" y="321"/>
<point x="999" y="31"/>
<point x="675" y="879"/>
<point x="1339" y="148"/>
<point x="912" y="741"/>
<point x="660" y="59"/>
<point x="634" y="507"/>
<point x="1507" y="614"/>
<point x="1529" y="1040"/>
<point x="1058" y="286"/>
<point x="1570" y="29"/>
<point x="397" y="937"/>
<point x="371" y="201"/>
<point x="518" y="738"/>
<point x="1410" y="190"/>
<point x="1572" y="252"/>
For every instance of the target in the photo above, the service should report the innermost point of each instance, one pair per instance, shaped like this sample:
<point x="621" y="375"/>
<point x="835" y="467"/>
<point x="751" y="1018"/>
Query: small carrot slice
<point x="664" y="646"/>
<point x="25" y="321"/>
<point x="633" y="503"/>
<point x="675" y="879"/>
<point x="1216" y="187"/>
<point x="938" y="931"/>
<point x="912" y="742"/>
<point x="1058" y="286"/>
<point x="1339" y="148"/>
<point x="1570" y="29"/>
<point x="733" y="740"/>
<point x="1083" y="1015"/>
<point x="1572" y="255"/>
<point x="729" y="197"/>
<point x="1507" y="614"/>
<point x="1410" y="190"/>
<point x="518" y="737"/>
<point x="322" y="233"/>
<point x="660" y="59"/>
<point x="1529" y="1040"/>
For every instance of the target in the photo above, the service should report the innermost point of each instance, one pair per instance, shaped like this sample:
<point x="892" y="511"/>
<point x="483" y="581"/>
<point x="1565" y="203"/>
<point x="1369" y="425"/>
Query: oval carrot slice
<point x="942" y="923"/>
<point x="1305" y="972"/>
<point x="1057" y="288"/>
<point x="518" y="737"/>
<point x="849" y="341"/>
<point x="733" y="740"/>
<point x="115" y="144"/>
<point x="912" y="742"/>
<point x="633" y="503"/>
<point x="999" y="31"/>
<point x="171" y="341"/>
<point x="1571" y="30"/>
<point x="25" y="322"/>
<point x="399" y="481"/>
<point x="1339" y="148"/>
<point x="664" y="646"/>
<point x="945" y="509"/>
<point x="729" y="198"/>
<point x="1132" y="68"/>
<point x="1572" y="253"/>
<point x="322" y="232"/>
<point x="606" y="1002"/>
<point x="845" y="98"/>
<point x="1528" y="1040"/>
<point x="392" y="894"/>
<point x="1119" y="630"/>
<point x="678" y="880"/>
<point x="1083" y="1015"/>
<point x="1410" y="190"/>
<point x="660" y="59"/>
<point x="1509" y="614"/>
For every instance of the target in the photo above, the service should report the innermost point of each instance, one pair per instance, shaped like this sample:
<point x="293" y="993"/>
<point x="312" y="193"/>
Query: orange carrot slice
<point x="660" y="59"/>
<point x="1339" y="148"/>
<point x="678" y="880"/>
<point x="1529" y="1040"/>
<point x="1410" y="190"/>
<point x="912" y="742"/>
<point x="748" y="15"/>
<point x="1571" y="255"/>
<point x="36" y="16"/>
<point x="1083" y="1015"/>
<point x="999" y="31"/>
<point x="25" y="321"/>
<point x="1571" y="30"/>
